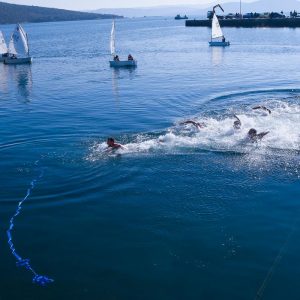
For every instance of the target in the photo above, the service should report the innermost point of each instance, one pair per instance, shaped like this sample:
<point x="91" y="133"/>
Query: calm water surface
<point x="180" y="213"/>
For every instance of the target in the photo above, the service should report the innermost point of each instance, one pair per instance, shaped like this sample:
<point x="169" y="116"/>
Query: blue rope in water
<point x="21" y="262"/>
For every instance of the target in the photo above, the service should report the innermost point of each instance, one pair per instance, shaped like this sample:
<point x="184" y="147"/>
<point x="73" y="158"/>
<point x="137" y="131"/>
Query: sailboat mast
<point x="113" y="39"/>
<point x="24" y="38"/>
<point x="212" y="25"/>
<point x="211" y="35"/>
<point x="241" y="16"/>
<point x="28" y="45"/>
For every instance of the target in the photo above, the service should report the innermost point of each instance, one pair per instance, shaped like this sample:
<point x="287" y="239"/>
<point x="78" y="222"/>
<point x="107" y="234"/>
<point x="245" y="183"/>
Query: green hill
<point x="13" y="13"/>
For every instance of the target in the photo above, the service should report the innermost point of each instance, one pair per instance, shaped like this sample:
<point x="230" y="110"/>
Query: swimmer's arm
<point x="263" y="134"/>
<point x="119" y="146"/>
<point x="263" y="108"/>
<point x="201" y="125"/>
<point x="266" y="109"/>
<point x="196" y="124"/>
<point x="187" y="122"/>
<point x="237" y="118"/>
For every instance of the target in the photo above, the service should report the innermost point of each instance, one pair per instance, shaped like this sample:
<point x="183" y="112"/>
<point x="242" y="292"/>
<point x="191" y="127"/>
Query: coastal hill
<point x="13" y="13"/>
<point x="230" y="6"/>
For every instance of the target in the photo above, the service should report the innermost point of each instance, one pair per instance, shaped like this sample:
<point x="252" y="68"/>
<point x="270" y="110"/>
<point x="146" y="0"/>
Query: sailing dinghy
<point x="217" y="36"/>
<point x="116" y="62"/>
<point x="18" y="48"/>
<point x="3" y="48"/>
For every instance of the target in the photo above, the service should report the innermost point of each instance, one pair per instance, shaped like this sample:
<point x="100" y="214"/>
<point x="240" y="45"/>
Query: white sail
<point x="113" y="39"/>
<point x="216" y="31"/>
<point x="18" y="44"/>
<point x="11" y="47"/>
<point x="3" y="47"/>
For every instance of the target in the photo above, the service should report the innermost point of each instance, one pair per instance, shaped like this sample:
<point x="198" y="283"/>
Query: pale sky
<point x="97" y="4"/>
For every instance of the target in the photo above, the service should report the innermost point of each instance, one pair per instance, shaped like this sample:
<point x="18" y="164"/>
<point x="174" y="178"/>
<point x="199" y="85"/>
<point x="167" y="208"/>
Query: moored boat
<point x="219" y="44"/>
<point x="217" y="36"/>
<point x="124" y="63"/>
<point x="17" y="61"/>
<point x="18" y="48"/>
<point x="179" y="17"/>
<point x="116" y="62"/>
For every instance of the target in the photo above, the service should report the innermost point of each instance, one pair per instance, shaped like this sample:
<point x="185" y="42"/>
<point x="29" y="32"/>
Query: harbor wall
<point x="288" y="22"/>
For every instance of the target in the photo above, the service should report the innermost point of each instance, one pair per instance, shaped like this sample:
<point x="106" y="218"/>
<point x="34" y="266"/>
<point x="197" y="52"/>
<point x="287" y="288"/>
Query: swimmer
<point x="263" y="108"/>
<point x="237" y="124"/>
<point x="113" y="145"/>
<point x="196" y="124"/>
<point x="254" y="136"/>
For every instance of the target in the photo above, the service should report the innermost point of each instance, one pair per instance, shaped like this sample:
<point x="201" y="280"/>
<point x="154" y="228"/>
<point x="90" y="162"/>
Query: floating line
<point x="276" y="261"/>
<point x="21" y="262"/>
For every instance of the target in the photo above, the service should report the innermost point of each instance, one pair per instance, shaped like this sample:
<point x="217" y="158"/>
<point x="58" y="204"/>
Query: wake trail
<point x="219" y="133"/>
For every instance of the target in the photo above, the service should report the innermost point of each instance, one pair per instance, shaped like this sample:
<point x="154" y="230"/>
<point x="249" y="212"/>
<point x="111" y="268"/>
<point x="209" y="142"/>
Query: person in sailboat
<point x="223" y="39"/>
<point x="116" y="58"/>
<point x="196" y="124"/>
<point x="130" y="57"/>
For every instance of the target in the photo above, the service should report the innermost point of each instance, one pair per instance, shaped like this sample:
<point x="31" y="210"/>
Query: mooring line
<point x="277" y="260"/>
<point x="21" y="262"/>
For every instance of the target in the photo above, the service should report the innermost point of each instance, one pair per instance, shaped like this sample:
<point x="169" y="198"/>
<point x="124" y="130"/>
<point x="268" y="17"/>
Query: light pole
<point x="241" y="16"/>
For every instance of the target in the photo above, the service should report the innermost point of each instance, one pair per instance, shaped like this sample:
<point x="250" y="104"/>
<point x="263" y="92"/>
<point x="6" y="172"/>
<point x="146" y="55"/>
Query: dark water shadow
<point x="24" y="81"/>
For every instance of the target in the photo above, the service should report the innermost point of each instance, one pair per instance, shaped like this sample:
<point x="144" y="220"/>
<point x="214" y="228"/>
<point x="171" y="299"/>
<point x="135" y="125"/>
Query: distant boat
<point x="216" y="32"/>
<point x="18" y="48"/>
<point x="116" y="62"/>
<point x="3" y="48"/>
<point x="179" y="17"/>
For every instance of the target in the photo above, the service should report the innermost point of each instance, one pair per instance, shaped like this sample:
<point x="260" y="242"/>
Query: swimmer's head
<point x="252" y="133"/>
<point x="237" y="125"/>
<point x="110" y="142"/>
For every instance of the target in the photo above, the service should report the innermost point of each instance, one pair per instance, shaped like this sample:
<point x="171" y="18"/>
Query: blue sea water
<point x="179" y="213"/>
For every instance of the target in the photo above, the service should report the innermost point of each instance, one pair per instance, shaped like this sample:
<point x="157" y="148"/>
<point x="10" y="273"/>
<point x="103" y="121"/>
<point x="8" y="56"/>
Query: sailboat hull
<point x="3" y="57"/>
<point x="219" y="44"/>
<point x="18" y="61"/>
<point x="123" y="64"/>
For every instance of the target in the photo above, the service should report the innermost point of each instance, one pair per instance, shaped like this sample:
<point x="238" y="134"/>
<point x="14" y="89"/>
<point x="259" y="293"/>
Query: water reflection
<point x="217" y="55"/>
<point x="115" y="86"/>
<point x="117" y="75"/>
<point x="20" y="77"/>
<point x="3" y="78"/>
<point x="23" y="78"/>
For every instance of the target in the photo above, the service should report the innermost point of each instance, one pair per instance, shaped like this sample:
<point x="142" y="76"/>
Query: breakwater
<point x="288" y="22"/>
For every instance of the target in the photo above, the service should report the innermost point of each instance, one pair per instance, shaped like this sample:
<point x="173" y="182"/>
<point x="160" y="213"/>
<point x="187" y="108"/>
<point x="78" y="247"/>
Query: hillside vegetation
<point x="13" y="13"/>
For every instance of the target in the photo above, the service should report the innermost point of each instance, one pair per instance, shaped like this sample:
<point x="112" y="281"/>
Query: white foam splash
<point x="219" y="135"/>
